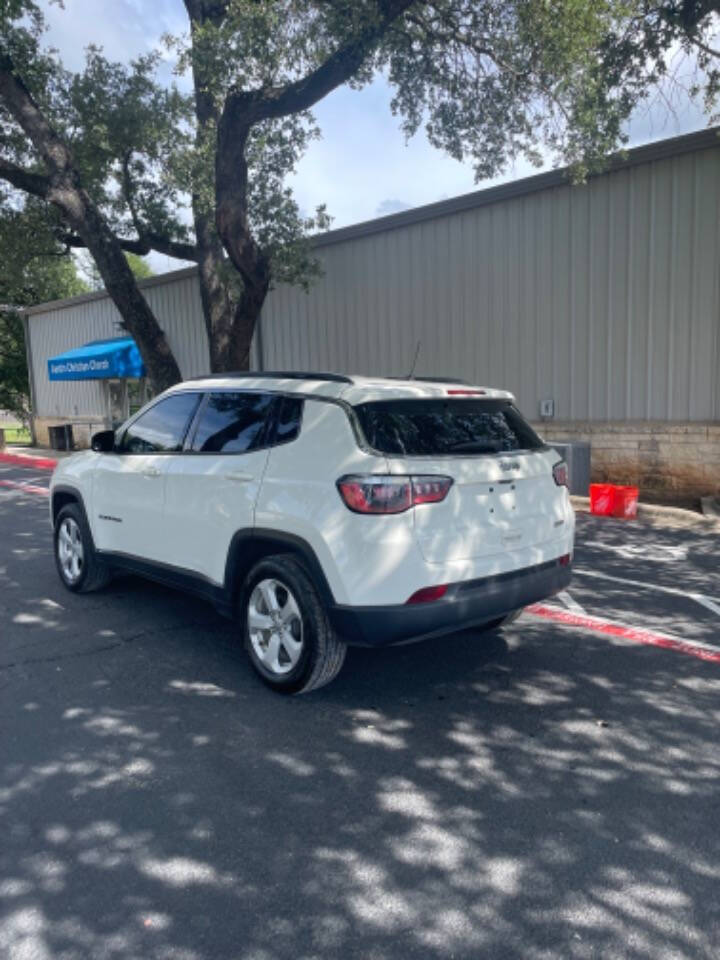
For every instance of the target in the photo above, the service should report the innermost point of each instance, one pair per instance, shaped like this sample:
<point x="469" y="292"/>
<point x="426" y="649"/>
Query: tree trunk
<point x="233" y="226"/>
<point x="216" y="302"/>
<point x="137" y="317"/>
<point x="245" y="320"/>
<point x="219" y="311"/>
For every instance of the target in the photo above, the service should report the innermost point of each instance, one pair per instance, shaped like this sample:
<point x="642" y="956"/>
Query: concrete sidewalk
<point x="660" y="514"/>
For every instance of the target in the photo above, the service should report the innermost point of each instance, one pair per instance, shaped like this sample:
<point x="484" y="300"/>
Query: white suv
<point x="323" y="510"/>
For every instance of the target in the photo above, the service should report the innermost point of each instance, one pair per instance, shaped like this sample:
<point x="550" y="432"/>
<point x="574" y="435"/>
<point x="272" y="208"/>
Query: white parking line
<point x="25" y="487"/>
<point x="570" y="602"/>
<point x="674" y="591"/>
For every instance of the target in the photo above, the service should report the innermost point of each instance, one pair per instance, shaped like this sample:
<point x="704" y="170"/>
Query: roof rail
<point x="431" y="379"/>
<point x="274" y="375"/>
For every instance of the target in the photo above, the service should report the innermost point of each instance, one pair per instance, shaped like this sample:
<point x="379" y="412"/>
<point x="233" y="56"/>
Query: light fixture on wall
<point x="547" y="409"/>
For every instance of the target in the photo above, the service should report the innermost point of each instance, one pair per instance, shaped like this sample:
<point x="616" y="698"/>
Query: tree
<point x="127" y="162"/>
<point x="141" y="269"/>
<point x="35" y="268"/>
<point x="38" y="160"/>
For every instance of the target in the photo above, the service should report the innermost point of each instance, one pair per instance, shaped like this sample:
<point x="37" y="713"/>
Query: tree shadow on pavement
<point x="465" y="798"/>
<point x="540" y="794"/>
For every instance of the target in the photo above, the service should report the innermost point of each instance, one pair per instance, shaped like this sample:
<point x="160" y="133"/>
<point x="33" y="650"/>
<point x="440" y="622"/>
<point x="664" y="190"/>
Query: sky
<point x="362" y="167"/>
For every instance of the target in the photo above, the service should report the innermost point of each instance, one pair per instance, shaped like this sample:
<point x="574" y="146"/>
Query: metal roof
<point x="561" y="177"/>
<point x="659" y="150"/>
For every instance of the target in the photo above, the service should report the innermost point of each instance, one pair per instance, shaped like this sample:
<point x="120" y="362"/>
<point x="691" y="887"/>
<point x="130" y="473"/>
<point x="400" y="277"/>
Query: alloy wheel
<point x="71" y="553"/>
<point x="275" y="626"/>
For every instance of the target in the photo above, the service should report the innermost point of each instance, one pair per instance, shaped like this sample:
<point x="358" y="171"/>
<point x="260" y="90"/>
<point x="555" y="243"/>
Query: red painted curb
<point x="27" y="460"/>
<point x="626" y="632"/>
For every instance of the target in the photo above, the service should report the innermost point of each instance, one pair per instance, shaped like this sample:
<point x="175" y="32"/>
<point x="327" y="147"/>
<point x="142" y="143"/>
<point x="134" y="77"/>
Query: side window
<point x="232" y="422"/>
<point x="162" y="428"/>
<point x="289" y="418"/>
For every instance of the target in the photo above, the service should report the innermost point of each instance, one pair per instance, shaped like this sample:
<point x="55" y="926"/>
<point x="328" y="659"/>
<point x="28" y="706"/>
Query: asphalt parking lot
<point x="548" y="792"/>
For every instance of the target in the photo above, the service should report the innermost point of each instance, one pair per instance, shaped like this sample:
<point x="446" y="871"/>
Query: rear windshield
<point x="432" y="428"/>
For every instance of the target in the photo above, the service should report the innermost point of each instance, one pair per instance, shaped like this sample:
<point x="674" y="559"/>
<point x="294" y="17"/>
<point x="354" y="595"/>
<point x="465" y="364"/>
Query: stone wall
<point x="669" y="462"/>
<point x="83" y="429"/>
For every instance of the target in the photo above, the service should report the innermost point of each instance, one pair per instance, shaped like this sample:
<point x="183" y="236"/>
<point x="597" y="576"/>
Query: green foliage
<point x="488" y="81"/>
<point x="140" y="268"/>
<point x="14" y="386"/>
<point x="90" y="275"/>
<point x="35" y="269"/>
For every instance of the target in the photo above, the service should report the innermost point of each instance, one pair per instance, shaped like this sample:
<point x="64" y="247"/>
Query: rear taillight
<point x="428" y="594"/>
<point x="430" y="489"/>
<point x="560" y="474"/>
<point x="374" y="493"/>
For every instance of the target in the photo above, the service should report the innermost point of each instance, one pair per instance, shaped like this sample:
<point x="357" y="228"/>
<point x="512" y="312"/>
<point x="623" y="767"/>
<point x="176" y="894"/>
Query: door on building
<point x="116" y="402"/>
<point x="211" y="491"/>
<point x="129" y="484"/>
<point x="125" y="397"/>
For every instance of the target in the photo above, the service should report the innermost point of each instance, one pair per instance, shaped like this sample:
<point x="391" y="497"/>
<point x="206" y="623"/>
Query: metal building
<point x="600" y="302"/>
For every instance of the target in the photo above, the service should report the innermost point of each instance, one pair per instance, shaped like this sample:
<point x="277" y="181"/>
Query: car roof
<point x="351" y="388"/>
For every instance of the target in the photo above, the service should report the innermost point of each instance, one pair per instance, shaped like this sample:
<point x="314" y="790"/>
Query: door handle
<point x="239" y="477"/>
<point x="151" y="472"/>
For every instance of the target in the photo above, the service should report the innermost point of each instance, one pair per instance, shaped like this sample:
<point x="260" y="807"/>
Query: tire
<point x="286" y="630"/>
<point x="75" y="557"/>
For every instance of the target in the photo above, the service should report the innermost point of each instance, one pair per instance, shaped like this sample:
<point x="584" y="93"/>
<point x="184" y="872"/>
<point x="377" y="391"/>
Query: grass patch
<point x="16" y="433"/>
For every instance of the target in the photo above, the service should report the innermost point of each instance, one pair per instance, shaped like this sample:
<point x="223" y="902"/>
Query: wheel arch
<point x="251" y="545"/>
<point x="61" y="496"/>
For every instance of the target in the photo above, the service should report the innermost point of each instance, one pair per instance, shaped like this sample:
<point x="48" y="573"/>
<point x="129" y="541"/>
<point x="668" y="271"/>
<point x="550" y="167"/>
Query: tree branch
<point x="272" y="103"/>
<point x="127" y="188"/>
<point x="242" y="110"/>
<point x="34" y="183"/>
<point x="711" y="52"/>
<point x="142" y="246"/>
<point x="25" y="111"/>
<point x="147" y="240"/>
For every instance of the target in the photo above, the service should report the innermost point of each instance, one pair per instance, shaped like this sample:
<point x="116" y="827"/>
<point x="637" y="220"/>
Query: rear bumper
<point x="466" y="604"/>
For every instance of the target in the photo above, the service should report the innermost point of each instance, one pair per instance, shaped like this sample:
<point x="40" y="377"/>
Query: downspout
<point x="259" y="348"/>
<point x="31" y="376"/>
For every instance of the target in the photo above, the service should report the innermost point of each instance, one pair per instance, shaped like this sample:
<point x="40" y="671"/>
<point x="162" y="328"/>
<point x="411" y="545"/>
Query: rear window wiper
<point x="474" y="446"/>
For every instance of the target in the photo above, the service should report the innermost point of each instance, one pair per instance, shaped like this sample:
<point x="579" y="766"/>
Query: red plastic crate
<point x="626" y="502"/>
<point x="602" y="499"/>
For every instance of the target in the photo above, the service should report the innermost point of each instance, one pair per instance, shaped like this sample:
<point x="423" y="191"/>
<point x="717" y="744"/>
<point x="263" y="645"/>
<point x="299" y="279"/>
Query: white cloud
<point x="123" y="28"/>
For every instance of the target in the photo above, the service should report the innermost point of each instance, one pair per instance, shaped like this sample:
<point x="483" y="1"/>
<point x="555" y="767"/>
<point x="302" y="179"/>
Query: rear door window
<point x="434" y="428"/>
<point x="233" y="422"/>
<point x="289" y="419"/>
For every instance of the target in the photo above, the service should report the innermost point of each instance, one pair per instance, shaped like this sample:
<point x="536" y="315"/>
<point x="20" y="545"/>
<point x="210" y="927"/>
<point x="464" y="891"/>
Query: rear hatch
<point x="503" y="495"/>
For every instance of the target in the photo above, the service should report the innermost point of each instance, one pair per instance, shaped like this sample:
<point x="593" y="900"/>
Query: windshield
<point x="432" y="428"/>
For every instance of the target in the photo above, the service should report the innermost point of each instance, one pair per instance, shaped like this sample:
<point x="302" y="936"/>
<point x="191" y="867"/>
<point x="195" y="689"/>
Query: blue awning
<point x="98" y="360"/>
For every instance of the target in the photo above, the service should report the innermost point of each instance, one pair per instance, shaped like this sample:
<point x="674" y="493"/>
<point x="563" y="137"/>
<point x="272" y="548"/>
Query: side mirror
<point x="103" y="442"/>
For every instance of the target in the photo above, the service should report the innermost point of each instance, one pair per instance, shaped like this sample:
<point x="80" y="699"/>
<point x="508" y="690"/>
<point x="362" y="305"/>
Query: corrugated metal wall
<point x="604" y="297"/>
<point x="177" y="306"/>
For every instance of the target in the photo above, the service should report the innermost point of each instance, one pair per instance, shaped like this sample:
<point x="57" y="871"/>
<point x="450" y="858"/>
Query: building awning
<point x="98" y="360"/>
